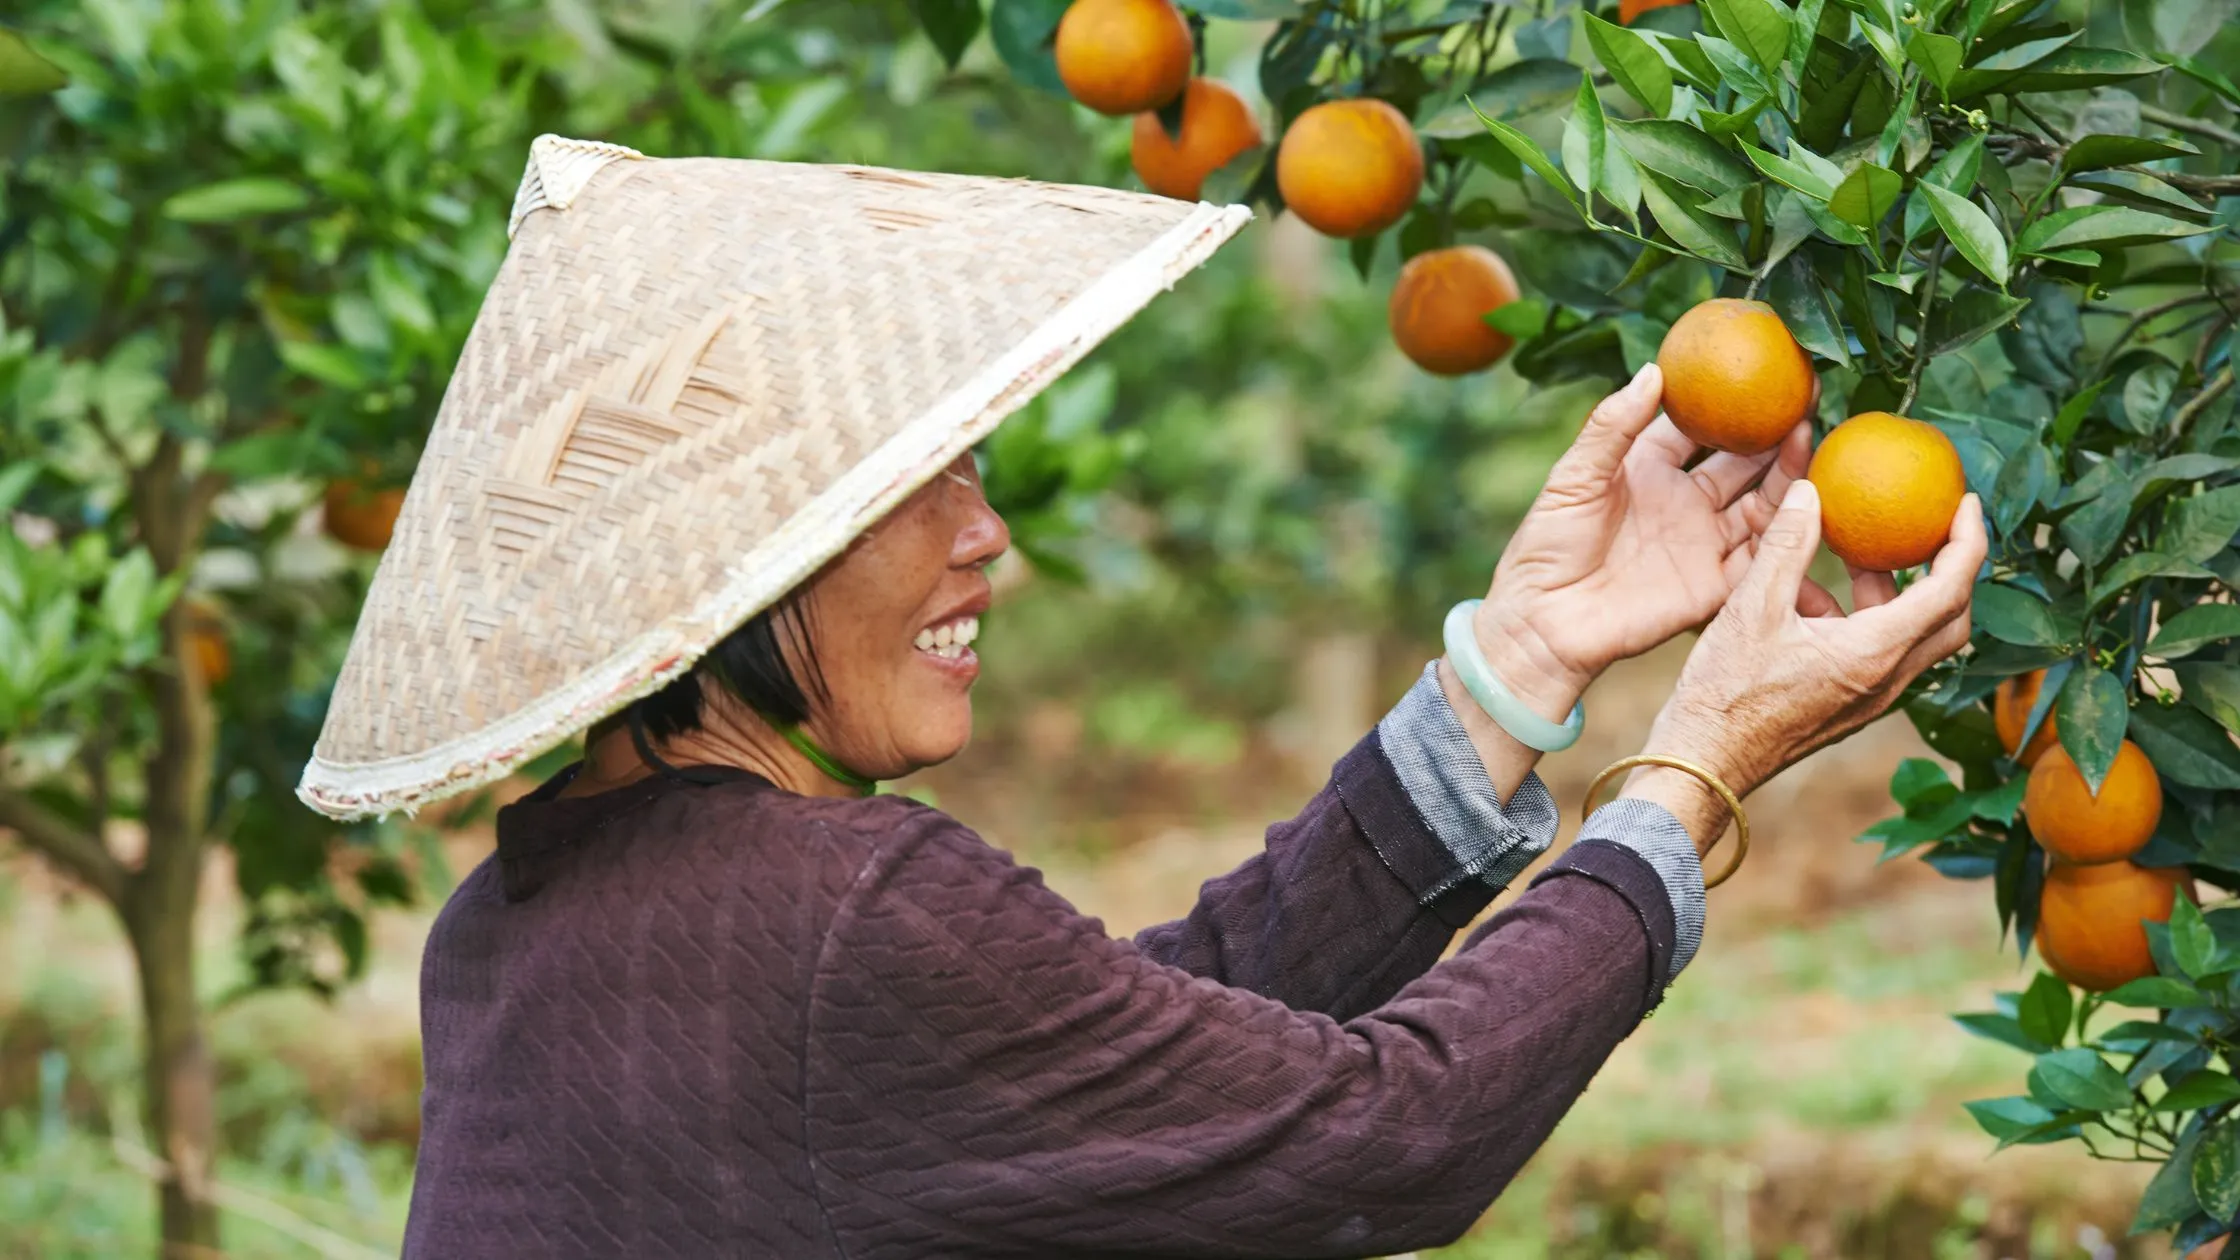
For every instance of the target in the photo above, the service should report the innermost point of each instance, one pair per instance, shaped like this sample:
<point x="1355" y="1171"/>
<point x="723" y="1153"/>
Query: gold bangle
<point x="1726" y="796"/>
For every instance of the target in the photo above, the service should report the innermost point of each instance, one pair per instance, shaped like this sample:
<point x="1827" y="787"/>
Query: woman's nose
<point x="983" y="538"/>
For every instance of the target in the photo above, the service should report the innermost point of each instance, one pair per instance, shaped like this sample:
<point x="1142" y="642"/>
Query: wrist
<point x="1688" y="799"/>
<point x="1521" y="658"/>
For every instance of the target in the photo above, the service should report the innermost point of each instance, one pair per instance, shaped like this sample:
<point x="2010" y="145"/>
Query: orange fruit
<point x="2089" y="918"/>
<point x="1889" y="488"/>
<point x="206" y="642"/>
<point x="362" y="517"/>
<point x="1628" y="10"/>
<point x="1122" y="57"/>
<point x="2010" y="712"/>
<point x="1216" y="126"/>
<point x="1439" y="306"/>
<point x="1733" y="376"/>
<point x="2076" y="826"/>
<point x="1350" y="168"/>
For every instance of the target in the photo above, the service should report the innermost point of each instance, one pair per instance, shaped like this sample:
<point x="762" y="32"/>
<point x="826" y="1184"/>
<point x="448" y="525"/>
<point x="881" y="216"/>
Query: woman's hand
<point x="1627" y="547"/>
<point x="1765" y="684"/>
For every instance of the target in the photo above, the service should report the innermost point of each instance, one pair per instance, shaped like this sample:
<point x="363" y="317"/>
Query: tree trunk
<point x="181" y="1089"/>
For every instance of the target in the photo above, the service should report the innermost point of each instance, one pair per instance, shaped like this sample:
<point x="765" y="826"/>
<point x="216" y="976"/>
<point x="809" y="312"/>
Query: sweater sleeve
<point x="1366" y="887"/>
<point x="989" y="1074"/>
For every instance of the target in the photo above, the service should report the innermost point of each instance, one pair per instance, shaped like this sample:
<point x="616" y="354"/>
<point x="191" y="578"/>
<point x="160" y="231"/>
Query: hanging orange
<point x="1439" y="306"/>
<point x="2089" y="918"/>
<point x="1350" y="168"/>
<point x="1122" y="57"/>
<point x="1628" y="10"/>
<point x="1217" y="126"/>
<point x="360" y="516"/>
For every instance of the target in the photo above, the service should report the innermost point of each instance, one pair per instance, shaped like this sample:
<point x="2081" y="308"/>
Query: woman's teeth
<point x="951" y="639"/>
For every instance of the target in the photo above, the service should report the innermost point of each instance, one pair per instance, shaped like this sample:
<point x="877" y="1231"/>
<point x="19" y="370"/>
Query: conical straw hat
<point x="693" y="382"/>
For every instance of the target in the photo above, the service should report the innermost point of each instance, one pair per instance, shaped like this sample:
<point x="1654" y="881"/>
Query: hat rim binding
<point x="349" y="791"/>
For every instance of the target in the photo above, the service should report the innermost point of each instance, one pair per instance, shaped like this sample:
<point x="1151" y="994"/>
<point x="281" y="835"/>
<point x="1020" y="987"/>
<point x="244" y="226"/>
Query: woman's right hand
<point x="1765" y="685"/>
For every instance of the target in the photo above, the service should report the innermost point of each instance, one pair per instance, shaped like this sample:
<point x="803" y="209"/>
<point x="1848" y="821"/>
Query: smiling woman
<point x="703" y="485"/>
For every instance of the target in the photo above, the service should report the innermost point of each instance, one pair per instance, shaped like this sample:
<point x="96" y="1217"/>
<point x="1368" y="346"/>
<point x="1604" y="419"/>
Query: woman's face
<point x="893" y="620"/>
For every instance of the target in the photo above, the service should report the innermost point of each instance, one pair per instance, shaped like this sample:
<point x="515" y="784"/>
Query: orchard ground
<point x="1798" y="1095"/>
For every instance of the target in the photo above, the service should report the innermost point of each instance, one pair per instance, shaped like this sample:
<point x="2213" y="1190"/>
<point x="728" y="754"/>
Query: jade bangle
<point x="1508" y="712"/>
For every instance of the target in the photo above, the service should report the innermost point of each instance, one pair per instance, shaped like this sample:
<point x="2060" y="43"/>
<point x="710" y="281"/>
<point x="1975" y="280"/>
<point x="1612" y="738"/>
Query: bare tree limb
<point x="2198" y="126"/>
<point x="2202" y="401"/>
<point x="67" y="845"/>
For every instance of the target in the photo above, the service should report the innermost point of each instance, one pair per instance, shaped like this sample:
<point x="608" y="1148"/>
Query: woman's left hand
<point x="1627" y="546"/>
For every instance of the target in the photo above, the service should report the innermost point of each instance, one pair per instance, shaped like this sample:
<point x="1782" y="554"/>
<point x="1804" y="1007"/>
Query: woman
<point x="711" y="998"/>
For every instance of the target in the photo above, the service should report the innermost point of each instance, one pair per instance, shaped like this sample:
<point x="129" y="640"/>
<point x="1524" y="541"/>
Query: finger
<point x="1775" y="581"/>
<point x="1870" y="588"/>
<point x="1814" y="600"/>
<point x="1726" y="477"/>
<point x="1941" y="595"/>
<point x="1609" y="433"/>
<point x="1751" y="513"/>
<point x="1663" y="442"/>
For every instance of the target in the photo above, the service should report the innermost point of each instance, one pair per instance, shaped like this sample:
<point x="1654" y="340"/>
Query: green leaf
<point x="2203" y="525"/>
<point x="1528" y="152"/>
<point x="2214" y="689"/>
<point x="24" y="72"/>
<point x="1797" y="175"/>
<point x="2208" y="77"/>
<point x="1734" y="67"/>
<point x="2004" y="1029"/>
<point x="2092" y="713"/>
<point x="233" y="199"/>
<point x="2202" y="1089"/>
<point x="1632" y="63"/>
<point x="1971" y="231"/>
<point x="2192" y="944"/>
<point x="1686" y="56"/>
<point x="1866" y="195"/>
<point x="2169" y="1198"/>
<point x="2015" y="616"/>
<point x="1688" y="226"/>
<point x="1523" y="86"/>
<point x="1796" y="293"/>
<point x="2074" y="69"/>
<point x="2161" y="992"/>
<point x="2186" y="747"/>
<point x="2093" y="530"/>
<point x="2021" y="484"/>
<point x="2073" y="413"/>
<point x="1974" y="314"/>
<point x="1522" y="318"/>
<point x="2139" y="566"/>
<point x="2045" y="1009"/>
<point x="1246" y="10"/>
<point x="331" y="364"/>
<point x="950" y="24"/>
<point x="1760" y="28"/>
<point x="2080" y="1077"/>
<point x="1937" y="55"/>
<point x="2092" y="153"/>
<point x="2195" y="628"/>
<point x="1022" y="31"/>
<point x="2101" y="226"/>
<point x="2136" y="188"/>
<point x="1916" y="778"/>
<point x="2008" y="1119"/>
<point x="1590" y="159"/>
<point x="2216" y="1172"/>
<point x="1683" y="153"/>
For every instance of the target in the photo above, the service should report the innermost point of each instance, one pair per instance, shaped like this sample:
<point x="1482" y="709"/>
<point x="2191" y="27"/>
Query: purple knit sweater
<point x="725" y="1020"/>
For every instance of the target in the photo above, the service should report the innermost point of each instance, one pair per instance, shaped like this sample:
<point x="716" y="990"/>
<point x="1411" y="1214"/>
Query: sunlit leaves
<point x="1632" y="63"/>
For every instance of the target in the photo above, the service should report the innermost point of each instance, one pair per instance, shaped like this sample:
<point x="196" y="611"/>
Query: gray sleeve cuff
<point x="1650" y="830"/>
<point x="1438" y="768"/>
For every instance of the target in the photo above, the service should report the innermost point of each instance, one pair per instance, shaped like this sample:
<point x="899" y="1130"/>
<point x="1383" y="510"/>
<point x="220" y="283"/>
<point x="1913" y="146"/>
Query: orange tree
<point x="2012" y="218"/>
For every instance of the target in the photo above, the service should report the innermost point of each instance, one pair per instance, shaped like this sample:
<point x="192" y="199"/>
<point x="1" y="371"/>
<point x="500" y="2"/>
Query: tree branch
<point x="2198" y="126"/>
<point x="1921" y="328"/>
<point x="68" y="846"/>
<point x="2202" y="401"/>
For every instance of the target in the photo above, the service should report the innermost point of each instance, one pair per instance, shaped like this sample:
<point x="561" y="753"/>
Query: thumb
<point x="1785" y="551"/>
<point x="1610" y="430"/>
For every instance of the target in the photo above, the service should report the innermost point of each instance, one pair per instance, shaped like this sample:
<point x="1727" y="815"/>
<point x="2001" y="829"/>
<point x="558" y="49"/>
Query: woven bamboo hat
<point x="693" y="382"/>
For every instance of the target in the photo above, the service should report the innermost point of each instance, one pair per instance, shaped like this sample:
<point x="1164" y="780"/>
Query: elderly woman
<point x="710" y="997"/>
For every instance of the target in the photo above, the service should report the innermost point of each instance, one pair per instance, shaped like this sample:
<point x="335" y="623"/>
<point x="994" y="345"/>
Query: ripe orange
<point x="1628" y="10"/>
<point x="1889" y="488"/>
<point x="1733" y="376"/>
<point x="1350" y="168"/>
<point x="362" y="517"/>
<point x="1122" y="57"/>
<point x="1216" y="126"/>
<point x="206" y="642"/>
<point x="2076" y="826"/>
<point x="1439" y="305"/>
<point x="2010" y="712"/>
<point x="2089" y="931"/>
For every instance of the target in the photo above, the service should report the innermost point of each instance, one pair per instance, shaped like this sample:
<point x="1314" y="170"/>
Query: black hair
<point x="750" y="662"/>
